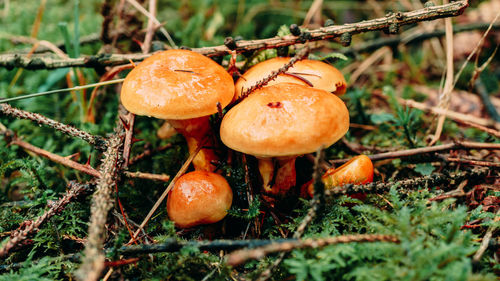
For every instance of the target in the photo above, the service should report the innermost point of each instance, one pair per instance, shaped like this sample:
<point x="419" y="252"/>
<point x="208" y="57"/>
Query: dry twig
<point x="409" y="184"/>
<point x="29" y="227"/>
<point x="102" y="202"/>
<point x="6" y="109"/>
<point x="393" y="19"/>
<point x="241" y="256"/>
<point x="429" y="149"/>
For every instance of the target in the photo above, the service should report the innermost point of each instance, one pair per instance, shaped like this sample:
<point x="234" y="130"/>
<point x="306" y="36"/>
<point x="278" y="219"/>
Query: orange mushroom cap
<point x="321" y="75"/>
<point x="198" y="198"/>
<point x="285" y="120"/>
<point x="358" y="170"/>
<point x="177" y="84"/>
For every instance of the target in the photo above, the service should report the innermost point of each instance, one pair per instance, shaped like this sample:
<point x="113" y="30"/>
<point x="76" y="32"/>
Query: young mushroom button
<point x="198" y="198"/>
<point x="312" y="73"/>
<point x="280" y="122"/>
<point x="183" y="87"/>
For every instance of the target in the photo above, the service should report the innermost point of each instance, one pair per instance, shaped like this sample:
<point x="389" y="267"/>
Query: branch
<point x="241" y="256"/>
<point x="431" y="180"/>
<point x="391" y="22"/>
<point x="417" y="38"/>
<point x="102" y="202"/>
<point x="415" y="151"/>
<point x="6" y="109"/>
<point x="27" y="228"/>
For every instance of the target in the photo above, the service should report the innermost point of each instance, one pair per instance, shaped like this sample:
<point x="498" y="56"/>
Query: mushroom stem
<point x="195" y="131"/>
<point x="278" y="174"/>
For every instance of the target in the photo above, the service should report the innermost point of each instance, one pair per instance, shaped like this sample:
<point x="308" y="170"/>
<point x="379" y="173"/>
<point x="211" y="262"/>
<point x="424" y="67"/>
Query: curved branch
<point x="391" y="21"/>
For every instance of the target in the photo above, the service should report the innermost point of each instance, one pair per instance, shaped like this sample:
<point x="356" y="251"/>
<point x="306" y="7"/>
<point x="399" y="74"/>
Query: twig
<point x="102" y="202"/>
<point x="415" y="38"/>
<point x="174" y="245"/>
<point x="129" y="132"/>
<point x="87" y="169"/>
<point x="490" y="131"/>
<point x="451" y="114"/>
<point x="399" y="19"/>
<point x="150" y="29"/>
<point x="153" y="18"/>
<point x="241" y="256"/>
<point x="472" y="162"/>
<point x="149" y="176"/>
<point x="98" y="141"/>
<point x="428" y="149"/>
<point x="433" y="179"/>
<point x="486" y="239"/>
<point x="27" y="228"/>
<point x="261" y="83"/>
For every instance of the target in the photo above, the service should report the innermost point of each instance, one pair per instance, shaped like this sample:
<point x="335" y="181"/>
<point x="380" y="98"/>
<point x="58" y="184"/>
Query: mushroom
<point x="280" y="122"/>
<point x="183" y="87"/>
<point x="312" y="73"/>
<point x="197" y="198"/>
<point x="358" y="170"/>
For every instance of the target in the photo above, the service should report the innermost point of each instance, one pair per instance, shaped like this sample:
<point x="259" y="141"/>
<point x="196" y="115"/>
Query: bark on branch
<point x="391" y="22"/>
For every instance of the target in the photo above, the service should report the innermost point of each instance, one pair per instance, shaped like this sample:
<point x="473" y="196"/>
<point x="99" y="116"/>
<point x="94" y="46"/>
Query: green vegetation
<point x="435" y="243"/>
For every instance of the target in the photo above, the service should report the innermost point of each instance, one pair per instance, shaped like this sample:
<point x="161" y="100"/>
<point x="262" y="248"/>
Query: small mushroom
<point x="198" y="198"/>
<point x="280" y="122"/>
<point x="184" y="88"/>
<point x="358" y="170"/>
<point x="312" y="73"/>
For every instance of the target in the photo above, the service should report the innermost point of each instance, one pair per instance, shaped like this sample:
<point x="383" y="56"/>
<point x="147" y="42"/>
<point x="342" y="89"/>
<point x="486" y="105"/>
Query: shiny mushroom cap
<point x="198" y="198"/>
<point x="321" y="75"/>
<point x="285" y="120"/>
<point x="177" y="84"/>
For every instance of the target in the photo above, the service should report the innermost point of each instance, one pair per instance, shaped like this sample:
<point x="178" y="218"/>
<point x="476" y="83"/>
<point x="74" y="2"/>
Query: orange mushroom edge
<point x="358" y="170"/>
<point x="184" y="88"/>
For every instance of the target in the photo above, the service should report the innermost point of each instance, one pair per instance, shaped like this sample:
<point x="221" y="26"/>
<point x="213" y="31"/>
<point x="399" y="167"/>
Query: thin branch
<point x="413" y="183"/>
<point x="87" y="169"/>
<point x="98" y="141"/>
<point x="102" y="202"/>
<point x="241" y="256"/>
<point x="148" y="176"/>
<point x="414" y="38"/>
<point x="486" y="239"/>
<point x="261" y="83"/>
<point x="429" y="149"/>
<point x="27" y="228"/>
<point x="394" y="19"/>
<point x="451" y="114"/>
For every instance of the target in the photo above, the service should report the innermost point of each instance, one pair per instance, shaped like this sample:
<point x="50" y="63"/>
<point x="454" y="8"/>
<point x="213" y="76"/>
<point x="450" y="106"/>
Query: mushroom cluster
<point x="295" y="114"/>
